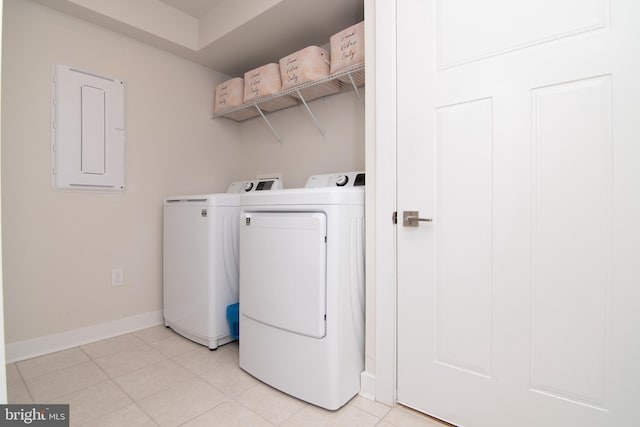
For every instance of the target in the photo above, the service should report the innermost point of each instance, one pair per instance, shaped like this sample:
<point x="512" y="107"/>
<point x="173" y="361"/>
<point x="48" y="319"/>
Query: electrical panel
<point x="88" y="131"/>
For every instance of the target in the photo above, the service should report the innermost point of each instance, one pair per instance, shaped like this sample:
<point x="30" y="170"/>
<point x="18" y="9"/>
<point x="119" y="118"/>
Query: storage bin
<point x="228" y="94"/>
<point x="306" y="65"/>
<point x="347" y="48"/>
<point x="233" y="317"/>
<point x="261" y="81"/>
<point x="264" y="81"/>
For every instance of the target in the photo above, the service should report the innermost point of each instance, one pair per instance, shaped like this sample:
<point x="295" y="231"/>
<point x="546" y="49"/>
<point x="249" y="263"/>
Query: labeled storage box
<point x="306" y="65"/>
<point x="264" y="81"/>
<point x="347" y="48"/>
<point x="261" y="81"/>
<point x="309" y="64"/>
<point x="228" y="95"/>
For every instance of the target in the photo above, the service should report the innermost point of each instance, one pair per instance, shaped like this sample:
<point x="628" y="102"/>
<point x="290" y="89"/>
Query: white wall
<point x="304" y="151"/>
<point x="60" y="247"/>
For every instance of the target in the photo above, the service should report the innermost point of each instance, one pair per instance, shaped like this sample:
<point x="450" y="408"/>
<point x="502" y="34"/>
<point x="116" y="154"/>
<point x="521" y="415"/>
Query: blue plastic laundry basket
<point x="233" y="317"/>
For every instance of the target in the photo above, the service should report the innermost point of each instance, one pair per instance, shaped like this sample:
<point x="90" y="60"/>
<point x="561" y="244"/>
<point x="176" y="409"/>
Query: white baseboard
<point x="27" y="349"/>
<point x="368" y="385"/>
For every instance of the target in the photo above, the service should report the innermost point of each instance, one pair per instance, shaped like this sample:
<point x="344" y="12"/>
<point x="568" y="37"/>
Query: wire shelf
<point x="349" y="79"/>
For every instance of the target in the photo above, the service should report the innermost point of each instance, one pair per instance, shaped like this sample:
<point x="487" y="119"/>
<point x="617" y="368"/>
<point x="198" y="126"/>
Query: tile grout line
<point x="361" y="410"/>
<point x="157" y="392"/>
<point x="54" y="371"/>
<point x="296" y="412"/>
<point x="49" y="354"/>
<point x="141" y="344"/>
<point x="235" y="399"/>
<point x="110" y="379"/>
<point x="24" y="382"/>
<point x="134" y="401"/>
<point x="205" y="411"/>
<point x="194" y="376"/>
<point x="366" y="411"/>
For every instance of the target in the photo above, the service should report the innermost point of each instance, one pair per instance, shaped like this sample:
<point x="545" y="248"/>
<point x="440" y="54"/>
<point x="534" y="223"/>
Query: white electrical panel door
<point x="283" y="259"/>
<point x="88" y="131"/>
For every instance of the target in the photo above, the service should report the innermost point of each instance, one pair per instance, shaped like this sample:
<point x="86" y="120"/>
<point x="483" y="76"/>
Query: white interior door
<point x="519" y="135"/>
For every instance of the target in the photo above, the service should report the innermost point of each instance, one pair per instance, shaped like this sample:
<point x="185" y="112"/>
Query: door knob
<point x="412" y="218"/>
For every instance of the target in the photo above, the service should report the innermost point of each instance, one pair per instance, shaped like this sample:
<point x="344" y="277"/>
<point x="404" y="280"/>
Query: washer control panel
<point x="255" y="185"/>
<point x="343" y="179"/>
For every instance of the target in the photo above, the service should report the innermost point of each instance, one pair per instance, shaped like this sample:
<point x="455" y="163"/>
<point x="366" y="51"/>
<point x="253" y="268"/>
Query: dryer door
<point x="283" y="270"/>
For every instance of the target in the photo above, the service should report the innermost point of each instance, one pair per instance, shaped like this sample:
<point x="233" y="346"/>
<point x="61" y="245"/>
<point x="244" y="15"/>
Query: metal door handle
<point x="412" y="218"/>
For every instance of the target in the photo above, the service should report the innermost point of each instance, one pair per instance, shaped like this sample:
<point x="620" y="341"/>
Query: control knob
<point x="342" y="180"/>
<point x="247" y="186"/>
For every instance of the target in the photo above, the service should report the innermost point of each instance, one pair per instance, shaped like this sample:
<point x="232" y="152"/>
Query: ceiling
<point x="229" y="36"/>
<point x="195" y="8"/>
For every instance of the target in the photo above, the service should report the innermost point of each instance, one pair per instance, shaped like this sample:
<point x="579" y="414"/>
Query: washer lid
<point x="232" y="196"/>
<point x="218" y="199"/>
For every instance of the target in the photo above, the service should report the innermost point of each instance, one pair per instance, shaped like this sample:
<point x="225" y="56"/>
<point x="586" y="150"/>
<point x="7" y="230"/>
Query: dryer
<point x="302" y="288"/>
<point x="200" y="261"/>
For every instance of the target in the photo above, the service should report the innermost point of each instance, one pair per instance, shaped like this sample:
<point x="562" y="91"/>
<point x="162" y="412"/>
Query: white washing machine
<point x="302" y="288"/>
<point x="200" y="261"/>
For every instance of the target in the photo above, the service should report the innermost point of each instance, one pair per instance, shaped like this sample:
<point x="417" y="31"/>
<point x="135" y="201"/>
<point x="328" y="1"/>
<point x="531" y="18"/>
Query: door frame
<point x="384" y="258"/>
<point x="3" y="378"/>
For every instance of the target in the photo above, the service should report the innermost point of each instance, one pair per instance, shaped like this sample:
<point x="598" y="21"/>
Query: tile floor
<point x="154" y="377"/>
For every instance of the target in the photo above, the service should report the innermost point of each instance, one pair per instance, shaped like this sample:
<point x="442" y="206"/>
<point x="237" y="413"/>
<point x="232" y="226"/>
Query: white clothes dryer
<point x="302" y="288"/>
<point x="200" y="261"/>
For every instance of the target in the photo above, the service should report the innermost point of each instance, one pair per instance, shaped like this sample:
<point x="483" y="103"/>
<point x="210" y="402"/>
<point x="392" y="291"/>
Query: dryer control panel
<point x="255" y="185"/>
<point x="343" y="179"/>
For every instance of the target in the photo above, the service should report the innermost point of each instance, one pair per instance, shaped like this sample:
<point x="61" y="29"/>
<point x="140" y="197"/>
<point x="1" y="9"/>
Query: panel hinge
<point x="394" y="217"/>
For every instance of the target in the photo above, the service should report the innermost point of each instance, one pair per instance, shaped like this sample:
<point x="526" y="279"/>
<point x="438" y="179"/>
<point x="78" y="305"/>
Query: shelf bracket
<point x="356" y="88"/>
<point x="313" y="118"/>
<point x="273" y="131"/>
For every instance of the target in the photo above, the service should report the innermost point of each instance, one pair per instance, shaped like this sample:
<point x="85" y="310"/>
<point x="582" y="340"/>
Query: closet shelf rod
<point x="313" y="118"/>
<point x="355" y="87"/>
<point x="268" y="123"/>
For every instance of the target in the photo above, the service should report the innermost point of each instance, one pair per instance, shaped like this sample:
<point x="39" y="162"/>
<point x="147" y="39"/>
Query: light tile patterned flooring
<point x="154" y="377"/>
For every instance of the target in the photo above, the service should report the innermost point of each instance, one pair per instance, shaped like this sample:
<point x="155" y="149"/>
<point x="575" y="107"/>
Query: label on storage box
<point x="254" y="84"/>
<point x="348" y="45"/>
<point x="291" y="70"/>
<point x="223" y="95"/>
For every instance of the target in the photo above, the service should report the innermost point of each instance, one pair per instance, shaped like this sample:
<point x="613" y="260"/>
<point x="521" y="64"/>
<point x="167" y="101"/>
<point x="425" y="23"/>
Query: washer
<point x="200" y="261"/>
<point x="302" y="288"/>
